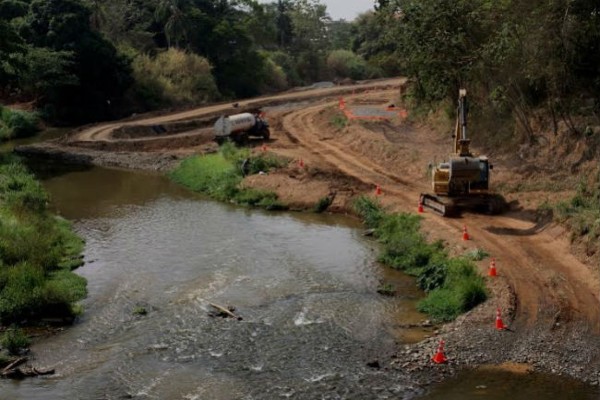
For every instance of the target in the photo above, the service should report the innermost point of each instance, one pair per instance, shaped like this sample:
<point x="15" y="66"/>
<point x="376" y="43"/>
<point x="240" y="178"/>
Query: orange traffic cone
<point x="420" y="208"/>
<point x="301" y="163"/>
<point x="439" y="357"/>
<point x="378" y="190"/>
<point x="264" y="147"/>
<point x="499" y="324"/>
<point x="492" y="270"/>
<point x="342" y="103"/>
<point x="465" y="233"/>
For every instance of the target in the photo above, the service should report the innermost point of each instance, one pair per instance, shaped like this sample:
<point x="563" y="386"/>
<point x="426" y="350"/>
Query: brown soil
<point x="548" y="295"/>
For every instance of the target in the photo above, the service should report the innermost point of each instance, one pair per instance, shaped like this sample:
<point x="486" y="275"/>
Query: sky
<point x="346" y="9"/>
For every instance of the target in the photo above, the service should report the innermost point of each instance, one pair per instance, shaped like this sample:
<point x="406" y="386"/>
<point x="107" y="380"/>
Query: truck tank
<point x="227" y="125"/>
<point x="239" y="127"/>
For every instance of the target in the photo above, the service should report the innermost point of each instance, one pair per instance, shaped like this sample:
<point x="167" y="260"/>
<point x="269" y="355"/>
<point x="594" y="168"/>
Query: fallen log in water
<point x="225" y="311"/>
<point x="13" y="371"/>
<point x="13" y="365"/>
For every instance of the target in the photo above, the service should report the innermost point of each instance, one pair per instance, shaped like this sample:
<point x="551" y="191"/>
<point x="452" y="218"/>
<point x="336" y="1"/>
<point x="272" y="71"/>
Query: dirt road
<point x="547" y="294"/>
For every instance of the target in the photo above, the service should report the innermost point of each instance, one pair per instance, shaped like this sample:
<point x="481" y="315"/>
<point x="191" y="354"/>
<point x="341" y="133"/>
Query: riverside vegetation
<point x="17" y="124"/>
<point x="38" y="252"/>
<point x="219" y="176"/>
<point x="452" y="284"/>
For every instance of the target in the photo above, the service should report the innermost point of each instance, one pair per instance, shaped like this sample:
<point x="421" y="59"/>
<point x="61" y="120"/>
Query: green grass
<point x="453" y="285"/>
<point x="37" y="252"/>
<point x="219" y="176"/>
<point x="17" y="124"/>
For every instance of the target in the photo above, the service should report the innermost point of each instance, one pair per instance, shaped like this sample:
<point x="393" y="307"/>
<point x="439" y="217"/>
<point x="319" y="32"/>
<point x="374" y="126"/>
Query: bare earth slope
<point x="547" y="295"/>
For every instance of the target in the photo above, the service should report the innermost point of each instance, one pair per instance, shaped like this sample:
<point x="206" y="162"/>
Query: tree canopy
<point x="74" y="57"/>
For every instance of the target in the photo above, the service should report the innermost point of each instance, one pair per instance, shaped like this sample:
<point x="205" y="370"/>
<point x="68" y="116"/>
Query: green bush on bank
<point x="13" y="340"/>
<point x="219" y="176"/>
<point x="17" y="124"/>
<point x="37" y="251"/>
<point x="453" y="285"/>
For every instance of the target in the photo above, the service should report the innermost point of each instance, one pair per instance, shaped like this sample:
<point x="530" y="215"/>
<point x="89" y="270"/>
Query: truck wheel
<point x="241" y="139"/>
<point x="266" y="134"/>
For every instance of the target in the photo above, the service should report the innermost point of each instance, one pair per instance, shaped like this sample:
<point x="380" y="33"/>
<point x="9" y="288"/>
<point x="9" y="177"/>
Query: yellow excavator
<point x="462" y="182"/>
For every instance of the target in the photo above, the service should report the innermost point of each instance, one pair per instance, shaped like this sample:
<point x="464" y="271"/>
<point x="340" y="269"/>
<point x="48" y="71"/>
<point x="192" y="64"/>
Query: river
<point x="313" y="327"/>
<point x="305" y="285"/>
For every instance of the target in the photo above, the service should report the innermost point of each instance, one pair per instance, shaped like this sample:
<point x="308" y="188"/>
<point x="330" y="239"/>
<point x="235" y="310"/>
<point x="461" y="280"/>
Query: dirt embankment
<point x="547" y="295"/>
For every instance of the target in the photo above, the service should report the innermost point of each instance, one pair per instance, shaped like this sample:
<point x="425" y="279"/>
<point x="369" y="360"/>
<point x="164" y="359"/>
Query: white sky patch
<point x="346" y="9"/>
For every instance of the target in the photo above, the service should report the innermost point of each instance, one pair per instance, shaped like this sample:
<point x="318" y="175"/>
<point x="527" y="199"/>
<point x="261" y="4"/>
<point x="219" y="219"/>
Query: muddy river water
<point x="305" y="285"/>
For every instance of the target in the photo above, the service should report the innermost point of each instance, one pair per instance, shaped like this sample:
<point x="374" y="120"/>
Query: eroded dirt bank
<point x="547" y="293"/>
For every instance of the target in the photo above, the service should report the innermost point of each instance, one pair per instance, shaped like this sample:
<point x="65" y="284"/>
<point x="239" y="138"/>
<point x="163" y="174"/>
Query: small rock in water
<point x="481" y="387"/>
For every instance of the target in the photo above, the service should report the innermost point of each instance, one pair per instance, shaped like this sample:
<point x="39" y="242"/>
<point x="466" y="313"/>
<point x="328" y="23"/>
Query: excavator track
<point x="434" y="204"/>
<point x="484" y="203"/>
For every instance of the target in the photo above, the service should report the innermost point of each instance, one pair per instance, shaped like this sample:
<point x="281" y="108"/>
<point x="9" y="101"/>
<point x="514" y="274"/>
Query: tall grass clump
<point x="453" y="285"/>
<point x="37" y="252"/>
<point x="17" y="124"/>
<point x="219" y="175"/>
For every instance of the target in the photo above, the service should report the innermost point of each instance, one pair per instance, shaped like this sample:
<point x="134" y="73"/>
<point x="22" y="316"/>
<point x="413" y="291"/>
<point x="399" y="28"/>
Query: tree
<point x="173" y="14"/>
<point x="438" y="39"/>
<point x="10" y="46"/>
<point x="102" y="74"/>
<point x="310" y="43"/>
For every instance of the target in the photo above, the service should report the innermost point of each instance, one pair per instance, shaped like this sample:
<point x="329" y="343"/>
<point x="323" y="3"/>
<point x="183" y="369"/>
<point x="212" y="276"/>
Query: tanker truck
<point x="239" y="127"/>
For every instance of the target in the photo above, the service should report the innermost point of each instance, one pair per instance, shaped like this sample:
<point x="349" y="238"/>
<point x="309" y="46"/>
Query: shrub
<point x="339" y="121"/>
<point x="17" y="124"/>
<point x="173" y="78"/>
<point x="346" y="64"/>
<point x="441" y="305"/>
<point x="14" y="339"/>
<point x="323" y="204"/>
<point x="140" y="310"/>
<point x="369" y="210"/>
<point x="386" y="289"/>
<point x="477" y="255"/>
<point x="275" y="77"/>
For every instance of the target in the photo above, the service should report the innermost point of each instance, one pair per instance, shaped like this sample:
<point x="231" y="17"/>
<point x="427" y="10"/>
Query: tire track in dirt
<point x="363" y="169"/>
<point x="549" y="287"/>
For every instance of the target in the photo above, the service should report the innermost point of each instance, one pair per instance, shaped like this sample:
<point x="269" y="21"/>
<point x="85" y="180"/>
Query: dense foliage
<point x="85" y="60"/>
<point x="74" y="57"/>
<point x="37" y="252"/>
<point x="517" y="57"/>
<point x="453" y="285"/>
<point x="17" y="124"/>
